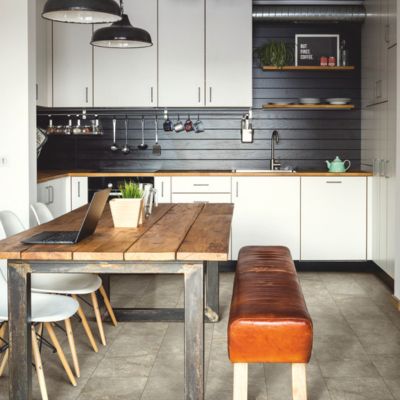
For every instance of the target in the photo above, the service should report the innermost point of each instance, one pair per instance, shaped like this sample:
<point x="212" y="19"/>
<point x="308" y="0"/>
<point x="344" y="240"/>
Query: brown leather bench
<point x="269" y="321"/>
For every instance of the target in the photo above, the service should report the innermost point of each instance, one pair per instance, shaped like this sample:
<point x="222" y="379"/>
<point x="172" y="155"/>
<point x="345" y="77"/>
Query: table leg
<point x="19" y="315"/>
<point x="212" y="291"/>
<point x="194" y="332"/>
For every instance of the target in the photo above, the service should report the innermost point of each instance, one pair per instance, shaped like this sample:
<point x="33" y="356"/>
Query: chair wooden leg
<point x="240" y="381"/>
<point x="60" y="353"/>
<point x="98" y="318"/>
<point x="86" y="326"/>
<point x="71" y="341"/>
<point x="3" y="363"/>
<point x="38" y="364"/>
<point x="299" y="383"/>
<point x="108" y="305"/>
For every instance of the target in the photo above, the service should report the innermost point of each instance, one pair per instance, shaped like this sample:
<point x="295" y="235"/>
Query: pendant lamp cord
<point x="121" y="6"/>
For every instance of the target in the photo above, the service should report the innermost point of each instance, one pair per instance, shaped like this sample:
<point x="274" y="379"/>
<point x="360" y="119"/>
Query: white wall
<point x="17" y="106"/>
<point x="397" y="260"/>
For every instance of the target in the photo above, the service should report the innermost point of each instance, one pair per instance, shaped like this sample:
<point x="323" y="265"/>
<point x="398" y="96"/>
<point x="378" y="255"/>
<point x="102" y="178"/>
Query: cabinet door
<point x="128" y="77"/>
<point x="333" y="218"/>
<point x="163" y="187"/>
<point x="229" y="53"/>
<point x="79" y="192"/>
<point x="181" y="53"/>
<point x="201" y="184"/>
<point x="72" y="65"/>
<point x="43" y="58"/>
<point x="267" y="212"/>
<point x="56" y="194"/>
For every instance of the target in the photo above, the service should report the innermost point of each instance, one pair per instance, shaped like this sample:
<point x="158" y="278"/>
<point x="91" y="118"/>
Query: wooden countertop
<point x="44" y="176"/>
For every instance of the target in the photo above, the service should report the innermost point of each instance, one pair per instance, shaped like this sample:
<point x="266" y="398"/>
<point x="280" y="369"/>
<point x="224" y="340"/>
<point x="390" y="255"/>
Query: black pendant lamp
<point x="121" y="35"/>
<point x="82" y="11"/>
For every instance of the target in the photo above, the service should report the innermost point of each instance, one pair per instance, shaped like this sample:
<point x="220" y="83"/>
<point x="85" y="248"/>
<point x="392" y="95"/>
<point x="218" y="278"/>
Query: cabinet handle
<point x="162" y="190"/>
<point x="210" y="94"/>
<point x="48" y="195"/>
<point x="201" y="184"/>
<point x="387" y="169"/>
<point x="382" y="168"/>
<point x="200" y="201"/>
<point x="387" y="35"/>
<point x="87" y="94"/>
<point x="51" y="194"/>
<point x="237" y="189"/>
<point x="378" y="89"/>
<point x="152" y="94"/>
<point x="37" y="92"/>
<point x="79" y="189"/>
<point x="333" y="181"/>
<point x="199" y="94"/>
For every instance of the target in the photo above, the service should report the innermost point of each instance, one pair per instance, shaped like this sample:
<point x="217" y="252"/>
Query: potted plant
<point x="127" y="212"/>
<point x="274" y="53"/>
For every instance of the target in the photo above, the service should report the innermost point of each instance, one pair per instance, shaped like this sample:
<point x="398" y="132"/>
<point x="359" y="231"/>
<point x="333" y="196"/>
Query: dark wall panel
<point x="307" y="137"/>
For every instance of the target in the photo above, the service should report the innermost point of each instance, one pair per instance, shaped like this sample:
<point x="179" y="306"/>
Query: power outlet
<point x="3" y="161"/>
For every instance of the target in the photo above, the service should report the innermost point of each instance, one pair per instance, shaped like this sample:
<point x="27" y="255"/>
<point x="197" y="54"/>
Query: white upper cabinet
<point x="128" y="77"/>
<point x="72" y="65"/>
<point x="43" y="58"/>
<point x="229" y="53"/>
<point x="333" y="218"/>
<point x="181" y="53"/>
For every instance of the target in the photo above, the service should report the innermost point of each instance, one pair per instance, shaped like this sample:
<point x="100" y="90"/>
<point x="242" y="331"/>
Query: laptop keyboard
<point x="62" y="237"/>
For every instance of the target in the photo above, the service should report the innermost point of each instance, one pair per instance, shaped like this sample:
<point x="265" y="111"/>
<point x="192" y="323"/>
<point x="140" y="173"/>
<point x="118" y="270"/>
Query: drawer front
<point x="201" y="184"/>
<point x="201" y="198"/>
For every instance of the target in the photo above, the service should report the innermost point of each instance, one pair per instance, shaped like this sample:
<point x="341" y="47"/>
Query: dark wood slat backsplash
<point x="307" y="137"/>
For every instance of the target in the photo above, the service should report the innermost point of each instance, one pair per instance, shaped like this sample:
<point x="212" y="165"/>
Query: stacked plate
<point x="338" y="100"/>
<point x="309" y="100"/>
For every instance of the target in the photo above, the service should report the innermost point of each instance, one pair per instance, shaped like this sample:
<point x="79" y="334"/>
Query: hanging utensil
<point x="156" y="146"/>
<point x="114" y="146"/>
<point x="126" y="150"/>
<point x="142" y="146"/>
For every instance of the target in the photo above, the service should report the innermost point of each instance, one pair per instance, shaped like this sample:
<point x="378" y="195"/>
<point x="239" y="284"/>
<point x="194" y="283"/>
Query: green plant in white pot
<point x="127" y="212"/>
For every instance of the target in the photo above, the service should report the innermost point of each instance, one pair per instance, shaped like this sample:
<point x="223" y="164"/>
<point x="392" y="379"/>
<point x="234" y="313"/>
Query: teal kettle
<point x="337" y="165"/>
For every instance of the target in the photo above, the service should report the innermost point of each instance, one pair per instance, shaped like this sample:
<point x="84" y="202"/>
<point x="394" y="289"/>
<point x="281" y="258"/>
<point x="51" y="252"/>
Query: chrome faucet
<point x="274" y="140"/>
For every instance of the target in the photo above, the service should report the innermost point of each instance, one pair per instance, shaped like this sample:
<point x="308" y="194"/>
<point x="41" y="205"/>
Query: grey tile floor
<point x="356" y="347"/>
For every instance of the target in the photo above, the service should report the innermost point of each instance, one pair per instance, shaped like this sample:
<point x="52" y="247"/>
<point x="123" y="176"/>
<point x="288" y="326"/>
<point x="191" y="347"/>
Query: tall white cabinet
<point x="379" y="130"/>
<point x="72" y="65"/>
<point x="128" y="77"/>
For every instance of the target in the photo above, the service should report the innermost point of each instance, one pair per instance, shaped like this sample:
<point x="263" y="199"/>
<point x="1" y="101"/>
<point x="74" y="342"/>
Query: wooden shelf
<point x="310" y="106"/>
<point x="307" y="68"/>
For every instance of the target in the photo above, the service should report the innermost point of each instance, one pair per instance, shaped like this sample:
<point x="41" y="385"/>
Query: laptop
<point x="88" y="226"/>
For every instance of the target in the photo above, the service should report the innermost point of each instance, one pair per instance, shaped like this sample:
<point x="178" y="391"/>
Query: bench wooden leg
<point x="299" y="383"/>
<point x="240" y="381"/>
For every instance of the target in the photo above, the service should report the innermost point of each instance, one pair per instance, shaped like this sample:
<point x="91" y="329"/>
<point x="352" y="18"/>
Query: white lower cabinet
<point x="163" y="186"/>
<point x="79" y="192"/>
<point x="56" y="194"/>
<point x="267" y="212"/>
<point x="63" y="195"/>
<point x="334" y="218"/>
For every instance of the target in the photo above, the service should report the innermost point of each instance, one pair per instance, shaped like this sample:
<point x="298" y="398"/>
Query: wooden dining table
<point x="186" y="239"/>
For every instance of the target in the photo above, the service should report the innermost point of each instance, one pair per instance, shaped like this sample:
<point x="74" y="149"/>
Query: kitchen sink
<point x="265" y="170"/>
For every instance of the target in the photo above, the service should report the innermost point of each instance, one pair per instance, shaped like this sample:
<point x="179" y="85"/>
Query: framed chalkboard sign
<point x="310" y="49"/>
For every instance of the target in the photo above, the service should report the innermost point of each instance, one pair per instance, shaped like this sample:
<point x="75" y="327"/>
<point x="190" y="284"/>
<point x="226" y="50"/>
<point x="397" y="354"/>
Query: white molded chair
<point x="46" y="309"/>
<point x="69" y="284"/>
